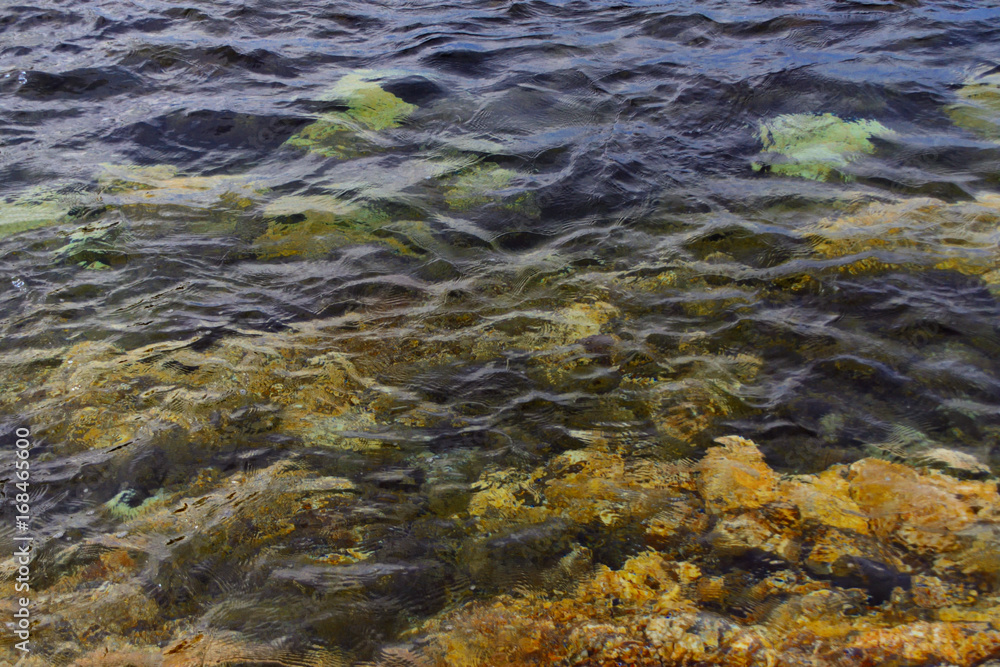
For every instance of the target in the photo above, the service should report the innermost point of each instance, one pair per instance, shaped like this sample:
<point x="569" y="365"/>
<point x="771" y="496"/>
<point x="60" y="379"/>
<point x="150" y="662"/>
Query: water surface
<point x="357" y="259"/>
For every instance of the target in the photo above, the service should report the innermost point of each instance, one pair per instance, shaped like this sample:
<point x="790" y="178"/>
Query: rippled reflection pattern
<point x="503" y="333"/>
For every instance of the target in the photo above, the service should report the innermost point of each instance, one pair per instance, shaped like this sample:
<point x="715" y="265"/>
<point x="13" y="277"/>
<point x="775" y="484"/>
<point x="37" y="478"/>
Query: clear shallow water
<point x="563" y="241"/>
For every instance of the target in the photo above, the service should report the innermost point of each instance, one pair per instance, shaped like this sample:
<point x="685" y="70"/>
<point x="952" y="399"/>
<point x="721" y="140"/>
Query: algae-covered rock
<point x="879" y="561"/>
<point x="852" y="541"/>
<point x="370" y="108"/>
<point x="95" y="246"/>
<point x="923" y="511"/>
<point x="922" y="643"/>
<point x="543" y="330"/>
<point x="486" y="184"/>
<point x="201" y="648"/>
<point x="35" y="208"/>
<point x="774" y="529"/>
<point x="333" y="135"/>
<point x="346" y="432"/>
<point x="734" y="476"/>
<point x="313" y="225"/>
<point x="825" y="498"/>
<point x="93" y="395"/>
<point x="979" y="109"/>
<point x="149" y="188"/>
<point x="953" y="462"/>
<point x="586" y="486"/>
<point x="915" y="448"/>
<point x="367" y="103"/>
<point x="815" y="146"/>
<point x="919" y="232"/>
<point x="220" y="648"/>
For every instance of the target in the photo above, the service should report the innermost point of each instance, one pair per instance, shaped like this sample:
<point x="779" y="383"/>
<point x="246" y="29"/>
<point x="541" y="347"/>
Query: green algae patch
<point x="332" y="137"/>
<point x="94" y="246"/>
<point x="123" y="507"/>
<point x="979" y="109"/>
<point x="813" y="146"/>
<point x="31" y="210"/>
<point x="94" y="266"/>
<point x="313" y="225"/>
<point x="368" y="104"/>
<point x="369" y="108"/>
<point x="485" y="184"/>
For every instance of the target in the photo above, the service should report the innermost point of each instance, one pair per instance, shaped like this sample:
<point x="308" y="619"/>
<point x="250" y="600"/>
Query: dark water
<point x="622" y="271"/>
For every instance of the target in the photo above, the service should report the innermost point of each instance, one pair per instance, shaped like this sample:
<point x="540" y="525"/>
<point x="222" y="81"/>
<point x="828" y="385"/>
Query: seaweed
<point x="814" y="146"/>
<point x="979" y="109"/>
<point x="340" y="134"/>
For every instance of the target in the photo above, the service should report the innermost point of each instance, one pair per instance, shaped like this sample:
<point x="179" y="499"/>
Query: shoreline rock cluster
<point x="873" y="563"/>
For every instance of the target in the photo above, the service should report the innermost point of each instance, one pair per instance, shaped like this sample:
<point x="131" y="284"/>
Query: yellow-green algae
<point x="137" y="188"/>
<point x="313" y="225"/>
<point x="663" y="605"/>
<point x="369" y="107"/>
<point x="919" y="232"/>
<point x="979" y="109"/>
<point x="36" y="208"/>
<point x="483" y="184"/>
<point x="367" y="103"/>
<point x="815" y="146"/>
<point x="121" y="508"/>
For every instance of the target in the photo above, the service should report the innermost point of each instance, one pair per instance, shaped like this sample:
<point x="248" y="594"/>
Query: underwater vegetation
<point x="482" y="184"/>
<point x="33" y="209"/>
<point x="311" y="226"/>
<point x="868" y="564"/>
<point x="979" y="109"/>
<point x="515" y="450"/>
<point x="369" y="109"/>
<point x="815" y="146"/>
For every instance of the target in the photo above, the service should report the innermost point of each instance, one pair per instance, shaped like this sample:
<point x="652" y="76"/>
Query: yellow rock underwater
<point x="857" y="565"/>
<point x="915" y="233"/>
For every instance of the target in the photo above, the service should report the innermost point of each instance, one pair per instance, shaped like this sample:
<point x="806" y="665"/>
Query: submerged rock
<point x="817" y="147"/>
<point x="313" y="225"/>
<point x="979" y="109"/>
<point x="953" y="462"/>
<point x="369" y="108"/>
<point x="33" y="209"/>
<point x="156" y="188"/>
<point x="862" y="586"/>
<point x="484" y="184"/>
<point x="734" y="477"/>
<point x="919" y="232"/>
